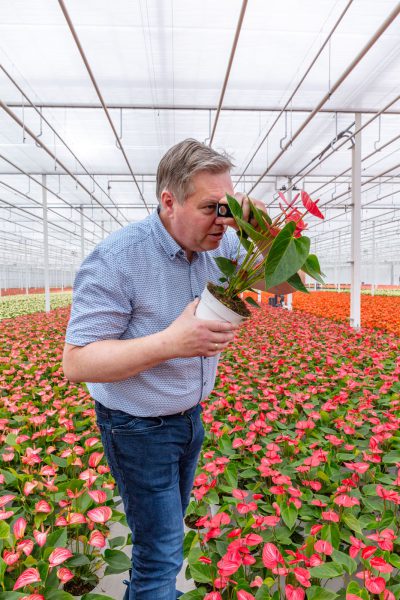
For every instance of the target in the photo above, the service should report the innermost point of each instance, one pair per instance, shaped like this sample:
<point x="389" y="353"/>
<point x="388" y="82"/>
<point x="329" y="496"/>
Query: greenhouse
<point x="137" y="314"/>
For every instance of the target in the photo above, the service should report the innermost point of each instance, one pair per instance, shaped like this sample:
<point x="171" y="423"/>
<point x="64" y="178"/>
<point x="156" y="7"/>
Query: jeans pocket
<point x="138" y="425"/>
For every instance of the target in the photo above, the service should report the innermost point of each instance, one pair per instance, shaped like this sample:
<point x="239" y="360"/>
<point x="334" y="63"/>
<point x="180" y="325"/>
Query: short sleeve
<point x="101" y="306"/>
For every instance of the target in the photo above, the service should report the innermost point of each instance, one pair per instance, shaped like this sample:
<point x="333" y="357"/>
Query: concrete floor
<point x="112" y="585"/>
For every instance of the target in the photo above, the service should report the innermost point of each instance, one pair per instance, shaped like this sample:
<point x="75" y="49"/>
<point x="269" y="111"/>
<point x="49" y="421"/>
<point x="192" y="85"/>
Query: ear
<point x="167" y="201"/>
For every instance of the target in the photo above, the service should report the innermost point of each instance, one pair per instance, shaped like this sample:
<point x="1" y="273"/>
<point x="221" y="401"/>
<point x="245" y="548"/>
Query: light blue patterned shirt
<point x="136" y="283"/>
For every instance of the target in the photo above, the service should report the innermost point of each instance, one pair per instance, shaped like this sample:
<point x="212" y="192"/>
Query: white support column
<point x="339" y="261"/>
<point x="289" y="299"/>
<point x="82" y="235"/>
<point x="355" y="292"/>
<point x="45" y="246"/>
<point x="373" y="274"/>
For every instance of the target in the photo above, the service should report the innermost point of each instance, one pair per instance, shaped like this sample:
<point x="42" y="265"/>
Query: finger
<point x="221" y="326"/>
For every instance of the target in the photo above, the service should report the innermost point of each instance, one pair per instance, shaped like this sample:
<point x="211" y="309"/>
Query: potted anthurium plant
<point x="275" y="251"/>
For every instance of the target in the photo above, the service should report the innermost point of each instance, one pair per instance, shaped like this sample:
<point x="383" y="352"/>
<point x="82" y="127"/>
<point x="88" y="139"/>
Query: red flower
<point x="242" y="595"/>
<point x="294" y="593"/>
<point x="302" y="576"/>
<point x="375" y="585"/>
<point x="213" y="596"/>
<point x="310" y="205"/>
<point x="97" y="539"/>
<point x="271" y="556"/>
<point x="323" y="547"/>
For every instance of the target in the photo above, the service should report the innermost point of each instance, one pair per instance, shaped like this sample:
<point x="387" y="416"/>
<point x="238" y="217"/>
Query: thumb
<point x="191" y="307"/>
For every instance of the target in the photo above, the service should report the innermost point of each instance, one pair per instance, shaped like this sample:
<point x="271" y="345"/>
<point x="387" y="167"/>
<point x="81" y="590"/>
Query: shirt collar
<point x="164" y="238"/>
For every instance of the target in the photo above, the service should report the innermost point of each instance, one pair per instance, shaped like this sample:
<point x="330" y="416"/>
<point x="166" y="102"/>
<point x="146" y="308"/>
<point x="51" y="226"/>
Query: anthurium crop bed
<point x="298" y="489"/>
<point x="381" y="312"/>
<point x="57" y="497"/>
<point x="13" y="306"/>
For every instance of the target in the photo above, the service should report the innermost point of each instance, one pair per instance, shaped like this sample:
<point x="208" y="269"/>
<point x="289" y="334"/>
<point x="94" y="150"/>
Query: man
<point x="134" y="336"/>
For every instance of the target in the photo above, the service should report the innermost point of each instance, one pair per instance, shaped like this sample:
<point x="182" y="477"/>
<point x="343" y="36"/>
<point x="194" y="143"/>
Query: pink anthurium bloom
<point x="58" y="556"/>
<point x="64" y="574"/>
<point x="97" y="539"/>
<point x="98" y="495"/>
<point x="271" y="556"/>
<point x="19" y="528"/>
<point x="294" y="593"/>
<point x="100" y="514"/>
<point x="26" y="578"/>
<point x="323" y="547"/>
<point x="243" y="595"/>
<point x="375" y="585"/>
<point x="40" y="537"/>
<point x="213" y="596"/>
<point x="10" y="557"/>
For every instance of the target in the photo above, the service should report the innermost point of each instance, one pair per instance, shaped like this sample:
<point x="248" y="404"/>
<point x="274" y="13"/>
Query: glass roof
<point x="160" y="67"/>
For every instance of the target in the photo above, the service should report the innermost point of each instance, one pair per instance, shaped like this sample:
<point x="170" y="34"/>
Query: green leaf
<point x="96" y="597"/>
<point x="296" y="282"/>
<point x="4" y="530"/>
<point x="199" y="571"/>
<point x="289" y="514"/>
<point x="117" y="560"/>
<point x="61" y="462"/>
<point x="226" y="266"/>
<point x="391" y="457"/>
<point x="231" y="474"/>
<point x="349" y="564"/>
<point x="117" y="541"/>
<point x="57" y="539"/>
<point x="312" y="268"/>
<point x="326" y="571"/>
<point x="352" y="523"/>
<point x="58" y="595"/>
<point x="286" y="256"/>
<point x="395" y="560"/>
<point x="319" y="593"/>
<point x="78" y="560"/>
<point x="263" y="593"/>
<point x="192" y="595"/>
<point x="354" y="588"/>
<point x="235" y="207"/>
<point x="251" y="301"/>
<point x="190" y="539"/>
<point x="11" y="595"/>
<point x="331" y="534"/>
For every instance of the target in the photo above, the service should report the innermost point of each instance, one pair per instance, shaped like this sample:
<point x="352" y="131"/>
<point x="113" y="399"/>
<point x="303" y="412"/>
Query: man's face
<point x="194" y="224"/>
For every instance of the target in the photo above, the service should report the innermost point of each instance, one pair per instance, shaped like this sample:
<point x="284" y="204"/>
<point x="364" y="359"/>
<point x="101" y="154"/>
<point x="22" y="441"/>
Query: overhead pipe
<point x="228" y="70"/>
<point x="332" y="31"/>
<point x="53" y="156"/>
<point x="38" y="204"/>
<point x="394" y="13"/>
<point x="96" y="87"/>
<point x="185" y="107"/>
<point x="43" y="118"/>
<point x="48" y="189"/>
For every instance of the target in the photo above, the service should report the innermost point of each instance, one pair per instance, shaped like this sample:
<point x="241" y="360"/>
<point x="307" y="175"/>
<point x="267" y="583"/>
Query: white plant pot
<point x="211" y="308"/>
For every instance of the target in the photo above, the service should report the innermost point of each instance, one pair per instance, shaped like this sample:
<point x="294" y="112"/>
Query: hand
<point x="189" y="336"/>
<point x="245" y="204"/>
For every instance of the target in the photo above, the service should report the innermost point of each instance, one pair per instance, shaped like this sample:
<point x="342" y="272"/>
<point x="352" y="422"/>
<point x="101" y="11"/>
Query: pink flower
<point x="271" y="556"/>
<point x="19" y="528"/>
<point x="97" y="539"/>
<point x="294" y="593"/>
<point x="25" y="546"/>
<point x="58" y="556"/>
<point x="242" y="595"/>
<point x="323" y="547"/>
<point x="33" y="597"/>
<point x="375" y="585"/>
<point x="64" y="574"/>
<point x="6" y="499"/>
<point x="10" y="557"/>
<point x="97" y="495"/>
<point x="100" y="514"/>
<point x="40" y="537"/>
<point x="380" y="564"/>
<point x="213" y="596"/>
<point x="311" y="205"/>
<point x="27" y="577"/>
<point x="43" y="507"/>
<point x="95" y="458"/>
<point x="302" y="576"/>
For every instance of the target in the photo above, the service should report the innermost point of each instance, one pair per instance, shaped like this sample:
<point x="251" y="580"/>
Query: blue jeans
<point x="153" y="461"/>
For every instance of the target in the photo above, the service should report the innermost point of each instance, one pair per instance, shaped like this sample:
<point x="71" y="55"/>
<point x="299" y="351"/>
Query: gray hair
<point x="178" y="166"/>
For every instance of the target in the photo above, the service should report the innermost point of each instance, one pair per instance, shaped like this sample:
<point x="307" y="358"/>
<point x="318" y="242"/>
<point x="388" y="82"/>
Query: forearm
<point x="116" y="360"/>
